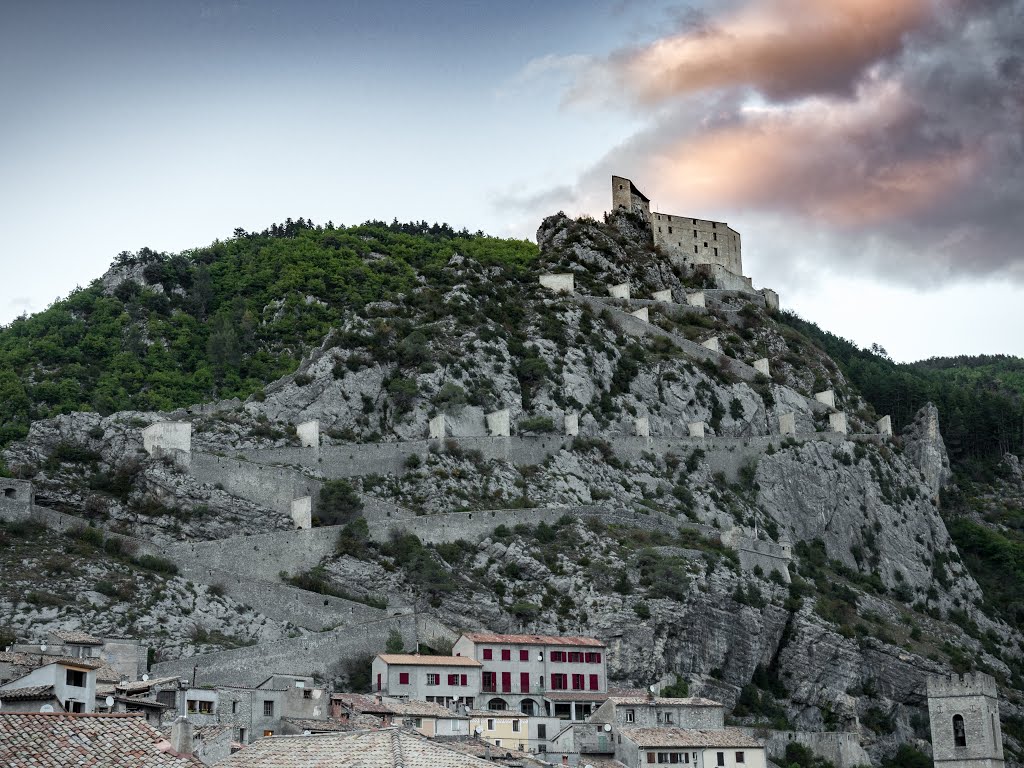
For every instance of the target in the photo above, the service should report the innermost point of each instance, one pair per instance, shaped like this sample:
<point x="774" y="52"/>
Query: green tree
<point x="395" y="642"/>
<point x="337" y="503"/>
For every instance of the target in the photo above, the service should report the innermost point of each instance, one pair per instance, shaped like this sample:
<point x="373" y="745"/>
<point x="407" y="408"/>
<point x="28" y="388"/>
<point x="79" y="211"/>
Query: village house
<point x="426" y="717"/>
<point x="68" y="684"/>
<point x="439" y="679"/>
<point x="654" y="711"/>
<point x="512" y="729"/>
<point x="122" y="658"/>
<point x="718" y="748"/>
<point x="565" y="677"/>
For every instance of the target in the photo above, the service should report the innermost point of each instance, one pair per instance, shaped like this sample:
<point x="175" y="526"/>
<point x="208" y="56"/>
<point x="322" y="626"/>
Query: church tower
<point x="964" y="715"/>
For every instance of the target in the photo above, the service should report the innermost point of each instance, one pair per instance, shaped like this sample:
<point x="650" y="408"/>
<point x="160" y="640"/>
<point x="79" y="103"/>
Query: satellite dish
<point x="306" y="733"/>
<point x="46" y="708"/>
<point x="607" y="727"/>
<point x="145" y="678"/>
<point x="651" y="689"/>
<point x="42" y="648"/>
<point x="478" y="730"/>
<point x="109" y="701"/>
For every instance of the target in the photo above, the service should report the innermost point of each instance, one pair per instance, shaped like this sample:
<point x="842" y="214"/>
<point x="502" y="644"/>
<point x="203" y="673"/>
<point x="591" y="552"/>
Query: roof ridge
<point x="397" y="754"/>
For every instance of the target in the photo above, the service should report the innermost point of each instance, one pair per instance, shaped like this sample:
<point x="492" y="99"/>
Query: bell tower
<point x="964" y="715"/>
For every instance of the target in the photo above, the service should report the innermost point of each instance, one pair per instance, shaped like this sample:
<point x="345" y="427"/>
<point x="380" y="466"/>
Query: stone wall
<point x="841" y="748"/>
<point x="271" y="487"/>
<point x="562" y="282"/>
<point x="321" y="656"/>
<point x="16" y="498"/>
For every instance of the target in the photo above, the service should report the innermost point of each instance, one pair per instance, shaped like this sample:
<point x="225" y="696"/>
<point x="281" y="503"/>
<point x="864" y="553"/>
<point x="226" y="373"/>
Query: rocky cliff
<point x="875" y="595"/>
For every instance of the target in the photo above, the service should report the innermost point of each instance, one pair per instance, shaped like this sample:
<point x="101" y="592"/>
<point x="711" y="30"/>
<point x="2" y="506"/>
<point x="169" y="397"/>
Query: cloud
<point x="782" y="48"/>
<point x="893" y="130"/>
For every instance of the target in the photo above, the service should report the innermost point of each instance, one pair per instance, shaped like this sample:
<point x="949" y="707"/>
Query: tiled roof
<point x="686" y="738"/>
<point x="320" y="726"/>
<point x="490" y="637"/>
<point x="60" y="739"/>
<point x="505" y="756"/>
<point x="108" y="674"/>
<point x="77" y="638"/>
<point x="415" y="659"/>
<point x="576" y="696"/>
<point x="28" y="693"/>
<point x="388" y="748"/>
<point x="362" y="703"/>
<point x="144" y="685"/>
<point x="693" y="701"/>
<point x="422" y="709"/>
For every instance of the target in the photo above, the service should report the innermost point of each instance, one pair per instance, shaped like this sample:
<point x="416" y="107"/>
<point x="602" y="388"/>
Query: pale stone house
<point x="437" y="679"/>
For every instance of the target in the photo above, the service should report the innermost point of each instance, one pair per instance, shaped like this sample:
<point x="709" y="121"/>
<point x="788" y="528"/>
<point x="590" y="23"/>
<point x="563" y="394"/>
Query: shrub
<point x="643" y="611"/>
<point x="537" y="424"/>
<point x="338" y="503"/>
<point x="353" y="539"/>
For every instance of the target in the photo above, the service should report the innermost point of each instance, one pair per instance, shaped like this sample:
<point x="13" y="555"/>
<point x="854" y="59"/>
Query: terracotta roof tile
<point x="28" y="693"/>
<point x="490" y="637"/>
<point x="686" y="737"/>
<point x="693" y="701"/>
<point x="60" y="739"/>
<point x="388" y="748"/>
<point x="75" y="637"/>
<point x="415" y="659"/>
<point x="504" y="755"/>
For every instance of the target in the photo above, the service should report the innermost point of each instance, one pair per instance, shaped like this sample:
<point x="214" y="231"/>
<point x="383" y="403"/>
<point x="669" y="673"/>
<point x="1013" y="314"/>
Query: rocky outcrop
<point x="924" y="446"/>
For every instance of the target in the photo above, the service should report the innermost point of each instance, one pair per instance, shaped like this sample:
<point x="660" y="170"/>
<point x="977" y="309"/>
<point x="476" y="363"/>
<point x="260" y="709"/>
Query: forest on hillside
<point x="219" y="321"/>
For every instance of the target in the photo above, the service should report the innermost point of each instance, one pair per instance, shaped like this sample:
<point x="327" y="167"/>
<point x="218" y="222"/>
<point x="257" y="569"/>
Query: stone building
<point x="655" y="711"/>
<point x="537" y="674"/>
<point x="964" y="715"/>
<point x="440" y="679"/>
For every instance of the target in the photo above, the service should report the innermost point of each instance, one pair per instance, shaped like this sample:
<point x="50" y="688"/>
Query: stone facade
<point x="712" y="344"/>
<point x="884" y="426"/>
<point x="663" y="296"/>
<point x="762" y="366"/>
<point x="787" y="424"/>
<point x="964" y="715"/>
<point x="641" y="314"/>
<point x="437" y="427"/>
<point x="696" y="299"/>
<point x="837" y="422"/>
<point x="302" y="512"/>
<point x="828" y="397"/>
<point x="169" y="438"/>
<point x="571" y="422"/>
<point x="559" y="283"/>
<point x="696" y="429"/>
<point x="309" y="434"/>
<point x="499" y="423"/>
<point x="642" y="427"/>
<point x="620" y="291"/>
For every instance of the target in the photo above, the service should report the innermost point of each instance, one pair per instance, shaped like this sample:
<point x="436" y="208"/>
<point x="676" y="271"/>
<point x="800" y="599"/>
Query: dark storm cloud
<point x="894" y="126"/>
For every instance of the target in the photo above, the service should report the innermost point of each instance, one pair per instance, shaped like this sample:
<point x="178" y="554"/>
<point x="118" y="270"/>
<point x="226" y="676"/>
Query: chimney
<point x="181" y="736"/>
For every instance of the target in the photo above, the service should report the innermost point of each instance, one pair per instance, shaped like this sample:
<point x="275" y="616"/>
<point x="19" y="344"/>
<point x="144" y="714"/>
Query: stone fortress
<point x="713" y="247"/>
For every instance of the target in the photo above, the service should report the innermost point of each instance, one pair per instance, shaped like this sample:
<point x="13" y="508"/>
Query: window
<point x="497" y="742"/>
<point x="506" y="682"/>
<point x="268" y="709"/>
<point x="542" y="747"/>
<point x="463" y="680"/>
<point x="403" y="678"/>
<point x="242" y="733"/>
<point x="695" y="249"/>
<point x="650" y="757"/>
<point x="659" y="228"/>
<point x="574" y="657"/>
<point x="558" y="655"/>
<point x="559" y="682"/>
<point x="577" y="682"/>
<point x="542" y="731"/>
<point x="490" y="725"/>
<point x="524" y="682"/>
<point x="721" y="758"/>
<point x="670" y="230"/>
<point x="200" y="707"/>
<point x="307" y="694"/>
<point x="268" y="732"/>
<point x="663" y="757"/>
<point x="75" y="678"/>
<point x="594" y="683"/>
<point x="695" y="234"/>
<point x="705" y="243"/>
<point x="716" y="251"/>
<point x="488" y="682"/>
<point x="417" y="722"/>
<point x="378" y="681"/>
<point x="516" y="726"/>
<point x="74" y="706"/>
<point x="714" y="236"/>
<point x="488" y="654"/>
<point x="630" y="715"/>
<point x="506" y="654"/>
<point x="668" y="718"/>
<point x="524" y="655"/>
<point x="959" y="734"/>
<point x="453" y="679"/>
<point x="433" y="678"/>
<point x="234" y="707"/>
<point x="740" y="757"/>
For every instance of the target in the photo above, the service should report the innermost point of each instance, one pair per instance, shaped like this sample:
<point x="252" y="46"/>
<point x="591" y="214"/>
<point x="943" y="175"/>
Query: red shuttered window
<point x="453" y="679"/>
<point x="465" y="680"/>
<point x="506" y="682"/>
<point x="524" y="682"/>
<point x="524" y="655"/>
<point x="593" y="683"/>
<point x="403" y="678"/>
<point x="577" y="682"/>
<point x="488" y="654"/>
<point x="506" y="654"/>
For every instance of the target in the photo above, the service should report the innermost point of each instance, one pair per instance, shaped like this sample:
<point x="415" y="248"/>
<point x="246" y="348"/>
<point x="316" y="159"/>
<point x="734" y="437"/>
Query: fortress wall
<point x="841" y="748"/>
<point x="681" y="234"/>
<point x="321" y="656"/>
<point x="271" y="487"/>
<point x="635" y="327"/>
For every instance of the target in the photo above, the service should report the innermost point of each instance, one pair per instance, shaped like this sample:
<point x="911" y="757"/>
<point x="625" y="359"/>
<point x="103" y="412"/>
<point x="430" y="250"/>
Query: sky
<point x="868" y="151"/>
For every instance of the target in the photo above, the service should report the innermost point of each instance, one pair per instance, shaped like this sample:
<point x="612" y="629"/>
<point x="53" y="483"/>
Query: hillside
<point x="809" y="581"/>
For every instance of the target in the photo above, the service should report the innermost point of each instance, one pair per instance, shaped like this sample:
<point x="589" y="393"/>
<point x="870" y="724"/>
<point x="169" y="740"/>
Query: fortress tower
<point x="964" y="714"/>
